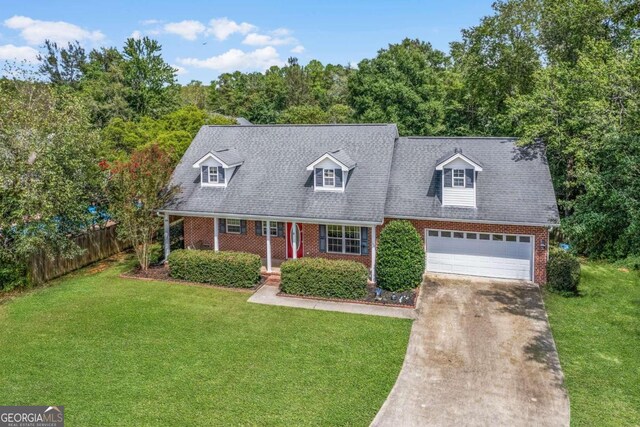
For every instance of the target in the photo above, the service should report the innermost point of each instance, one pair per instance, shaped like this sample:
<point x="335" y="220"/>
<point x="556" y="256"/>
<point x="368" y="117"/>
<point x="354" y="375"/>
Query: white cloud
<point x="188" y="29"/>
<point x="281" y="32"/>
<point x="223" y="27"/>
<point x="151" y="22"/>
<point x="298" y="49"/>
<point x="255" y="39"/>
<point x="136" y="35"/>
<point x="180" y="70"/>
<point x="235" y="59"/>
<point x="36" y="32"/>
<point x="10" y="52"/>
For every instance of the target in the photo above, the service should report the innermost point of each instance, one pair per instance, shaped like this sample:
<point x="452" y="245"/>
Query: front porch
<point x="277" y="241"/>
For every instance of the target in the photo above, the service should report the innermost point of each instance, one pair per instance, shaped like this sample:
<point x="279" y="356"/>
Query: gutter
<point x="269" y="218"/>
<point x="476" y="221"/>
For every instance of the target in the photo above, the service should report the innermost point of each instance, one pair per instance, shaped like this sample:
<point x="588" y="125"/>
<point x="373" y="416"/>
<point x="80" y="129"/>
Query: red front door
<point x="294" y="240"/>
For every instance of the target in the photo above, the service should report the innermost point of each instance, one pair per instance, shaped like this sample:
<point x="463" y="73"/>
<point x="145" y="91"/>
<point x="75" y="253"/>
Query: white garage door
<point x="505" y="256"/>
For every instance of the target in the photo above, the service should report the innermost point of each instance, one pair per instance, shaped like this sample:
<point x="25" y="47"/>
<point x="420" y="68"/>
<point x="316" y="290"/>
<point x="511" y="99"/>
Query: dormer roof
<point x="457" y="154"/>
<point x="339" y="157"/>
<point x="227" y="157"/>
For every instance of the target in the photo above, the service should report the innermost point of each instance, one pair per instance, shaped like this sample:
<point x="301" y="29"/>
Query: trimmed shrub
<point x="324" y="278"/>
<point x="156" y="254"/>
<point x="400" y="263"/>
<point x="233" y="269"/>
<point x="563" y="272"/>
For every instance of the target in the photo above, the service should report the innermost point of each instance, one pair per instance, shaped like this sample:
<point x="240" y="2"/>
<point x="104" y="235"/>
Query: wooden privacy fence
<point x="97" y="244"/>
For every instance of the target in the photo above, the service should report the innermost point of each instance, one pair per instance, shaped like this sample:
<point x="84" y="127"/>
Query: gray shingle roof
<point x="514" y="187"/>
<point x="273" y="180"/>
<point x="230" y="156"/>
<point x="342" y="156"/>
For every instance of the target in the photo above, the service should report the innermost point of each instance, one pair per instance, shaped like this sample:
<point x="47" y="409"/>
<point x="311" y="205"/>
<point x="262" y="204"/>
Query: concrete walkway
<point x="480" y="354"/>
<point x="269" y="295"/>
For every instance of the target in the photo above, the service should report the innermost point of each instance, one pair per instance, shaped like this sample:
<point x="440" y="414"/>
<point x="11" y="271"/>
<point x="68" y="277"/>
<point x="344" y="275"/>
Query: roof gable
<point x="339" y="157"/>
<point x="228" y="158"/>
<point x="457" y="154"/>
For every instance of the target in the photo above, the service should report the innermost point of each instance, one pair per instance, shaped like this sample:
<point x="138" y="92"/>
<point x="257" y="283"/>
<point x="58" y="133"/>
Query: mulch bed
<point x="161" y="273"/>
<point x="405" y="299"/>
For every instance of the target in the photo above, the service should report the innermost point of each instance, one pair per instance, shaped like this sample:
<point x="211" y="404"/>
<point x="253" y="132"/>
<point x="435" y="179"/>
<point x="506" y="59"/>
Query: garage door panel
<point x="491" y="258"/>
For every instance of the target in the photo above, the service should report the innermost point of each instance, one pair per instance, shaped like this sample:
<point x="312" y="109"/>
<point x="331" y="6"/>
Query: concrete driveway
<point x="480" y="353"/>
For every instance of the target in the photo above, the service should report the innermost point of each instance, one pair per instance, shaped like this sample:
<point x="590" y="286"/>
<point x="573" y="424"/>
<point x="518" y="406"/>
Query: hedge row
<point x="233" y="269"/>
<point x="563" y="272"/>
<point x="324" y="278"/>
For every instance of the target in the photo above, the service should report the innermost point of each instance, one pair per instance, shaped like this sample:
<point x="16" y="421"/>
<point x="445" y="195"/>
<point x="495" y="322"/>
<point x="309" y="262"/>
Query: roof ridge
<point x="302" y="125"/>
<point x="458" y="137"/>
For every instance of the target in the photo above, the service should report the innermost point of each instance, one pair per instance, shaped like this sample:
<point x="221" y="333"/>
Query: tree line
<point x="564" y="74"/>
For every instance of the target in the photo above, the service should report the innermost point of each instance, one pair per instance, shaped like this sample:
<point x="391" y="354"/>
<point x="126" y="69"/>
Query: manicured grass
<point x="598" y="339"/>
<point x="119" y="351"/>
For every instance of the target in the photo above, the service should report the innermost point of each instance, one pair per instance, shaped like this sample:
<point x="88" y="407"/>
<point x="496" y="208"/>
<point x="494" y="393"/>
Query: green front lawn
<point x="117" y="351"/>
<point x="598" y="338"/>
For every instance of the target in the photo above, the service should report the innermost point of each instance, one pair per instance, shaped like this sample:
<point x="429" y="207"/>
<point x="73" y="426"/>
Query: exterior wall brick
<point x="199" y="231"/>
<point x="540" y="233"/>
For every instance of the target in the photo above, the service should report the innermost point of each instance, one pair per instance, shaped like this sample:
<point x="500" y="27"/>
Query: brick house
<point x="483" y="206"/>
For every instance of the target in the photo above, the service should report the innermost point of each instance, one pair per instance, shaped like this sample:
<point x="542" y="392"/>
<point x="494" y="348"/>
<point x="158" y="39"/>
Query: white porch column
<point x="167" y="237"/>
<point x="268" y="246"/>
<point x="294" y="231"/>
<point x="216" y="245"/>
<point x="374" y="246"/>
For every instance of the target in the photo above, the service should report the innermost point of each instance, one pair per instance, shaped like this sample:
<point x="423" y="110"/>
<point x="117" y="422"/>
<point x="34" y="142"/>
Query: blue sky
<point x="205" y="38"/>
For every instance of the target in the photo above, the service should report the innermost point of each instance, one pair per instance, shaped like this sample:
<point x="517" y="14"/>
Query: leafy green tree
<point x="172" y="132"/>
<point x="605" y="221"/>
<point x="194" y="93"/>
<point x="48" y="171"/>
<point x="302" y="114"/>
<point x="567" y="26"/>
<point x="103" y="85"/>
<point x="495" y="60"/>
<point x="151" y="83"/>
<point x="137" y="188"/>
<point x="62" y="66"/>
<point x="404" y="84"/>
<point x="575" y="109"/>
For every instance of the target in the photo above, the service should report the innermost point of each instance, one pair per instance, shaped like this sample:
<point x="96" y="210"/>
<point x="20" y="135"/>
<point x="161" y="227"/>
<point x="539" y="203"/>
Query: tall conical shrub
<point x="400" y="262"/>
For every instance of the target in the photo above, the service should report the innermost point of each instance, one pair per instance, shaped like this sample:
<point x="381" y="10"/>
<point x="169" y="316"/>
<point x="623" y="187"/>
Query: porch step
<point x="273" y="280"/>
<point x="275" y="271"/>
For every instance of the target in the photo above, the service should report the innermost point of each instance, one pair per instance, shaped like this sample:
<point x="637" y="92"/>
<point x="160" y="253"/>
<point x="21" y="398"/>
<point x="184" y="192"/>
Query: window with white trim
<point x="329" y="177"/>
<point x="233" y="226"/>
<point x="213" y="174"/>
<point x="274" y="228"/>
<point x="458" y="177"/>
<point x="343" y="239"/>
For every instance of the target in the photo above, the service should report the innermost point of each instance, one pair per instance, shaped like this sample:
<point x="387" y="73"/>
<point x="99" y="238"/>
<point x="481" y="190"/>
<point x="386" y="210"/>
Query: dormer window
<point x="459" y="174"/>
<point x="212" y="175"/>
<point x="331" y="171"/>
<point x="216" y="168"/>
<point x="329" y="178"/>
<point x="458" y="178"/>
